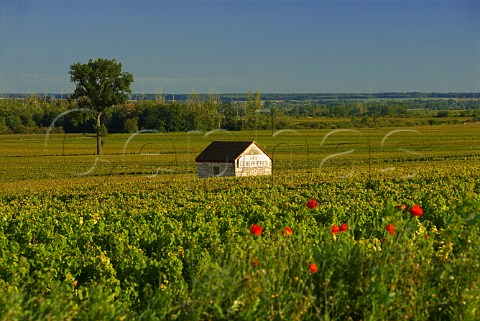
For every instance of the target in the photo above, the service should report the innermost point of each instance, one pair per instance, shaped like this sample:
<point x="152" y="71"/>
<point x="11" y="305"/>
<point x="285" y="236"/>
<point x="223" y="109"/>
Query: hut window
<point x="216" y="170"/>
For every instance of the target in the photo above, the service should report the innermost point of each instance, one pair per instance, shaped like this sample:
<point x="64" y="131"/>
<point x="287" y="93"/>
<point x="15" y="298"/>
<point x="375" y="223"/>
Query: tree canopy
<point x="100" y="84"/>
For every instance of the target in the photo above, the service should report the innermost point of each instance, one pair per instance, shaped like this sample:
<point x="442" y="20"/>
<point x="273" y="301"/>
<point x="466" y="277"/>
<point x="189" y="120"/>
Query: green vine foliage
<point x="182" y="249"/>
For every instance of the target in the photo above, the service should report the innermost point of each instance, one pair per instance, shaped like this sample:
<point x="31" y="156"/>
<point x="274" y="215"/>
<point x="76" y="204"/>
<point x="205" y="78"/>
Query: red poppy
<point x="312" y="203"/>
<point x="416" y="210"/>
<point x="256" y="230"/>
<point x="343" y="227"/>
<point x="313" y="267"/>
<point x="255" y="263"/>
<point x="335" y="229"/>
<point x="426" y="236"/>
<point x="287" y="231"/>
<point x="390" y="229"/>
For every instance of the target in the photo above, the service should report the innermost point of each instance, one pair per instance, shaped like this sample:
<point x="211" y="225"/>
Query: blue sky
<point x="237" y="46"/>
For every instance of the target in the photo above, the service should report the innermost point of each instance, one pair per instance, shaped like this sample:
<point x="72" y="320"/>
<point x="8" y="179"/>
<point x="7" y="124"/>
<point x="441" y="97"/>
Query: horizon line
<point x="35" y="93"/>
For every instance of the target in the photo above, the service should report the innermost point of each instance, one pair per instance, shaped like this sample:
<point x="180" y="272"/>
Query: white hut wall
<point x="207" y="169"/>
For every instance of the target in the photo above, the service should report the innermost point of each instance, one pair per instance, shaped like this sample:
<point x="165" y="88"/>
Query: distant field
<point x="54" y="156"/>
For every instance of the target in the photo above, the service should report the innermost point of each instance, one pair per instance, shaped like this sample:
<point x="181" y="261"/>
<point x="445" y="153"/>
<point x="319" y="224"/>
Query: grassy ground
<point x="24" y="157"/>
<point x="124" y="240"/>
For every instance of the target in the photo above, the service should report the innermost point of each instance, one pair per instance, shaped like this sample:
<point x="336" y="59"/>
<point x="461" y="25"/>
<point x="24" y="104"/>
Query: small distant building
<point x="233" y="158"/>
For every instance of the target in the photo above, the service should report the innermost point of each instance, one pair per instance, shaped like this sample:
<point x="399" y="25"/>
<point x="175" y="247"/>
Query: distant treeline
<point x="397" y="108"/>
<point x="35" y="113"/>
<point x="312" y="97"/>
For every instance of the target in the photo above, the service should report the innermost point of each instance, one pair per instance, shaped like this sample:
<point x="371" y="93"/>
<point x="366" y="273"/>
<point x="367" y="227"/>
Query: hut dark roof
<point x="224" y="151"/>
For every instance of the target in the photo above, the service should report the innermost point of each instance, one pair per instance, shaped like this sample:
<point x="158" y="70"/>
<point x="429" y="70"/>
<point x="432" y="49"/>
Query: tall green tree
<point x="253" y="107"/>
<point x="100" y="84"/>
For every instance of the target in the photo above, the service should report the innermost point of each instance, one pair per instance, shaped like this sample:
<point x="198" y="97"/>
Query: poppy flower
<point x="312" y="203"/>
<point x="390" y="229"/>
<point x="335" y="229"/>
<point x="287" y="231"/>
<point x="256" y="229"/>
<point x="313" y="267"/>
<point x="343" y="227"/>
<point x="416" y="210"/>
<point x="255" y="263"/>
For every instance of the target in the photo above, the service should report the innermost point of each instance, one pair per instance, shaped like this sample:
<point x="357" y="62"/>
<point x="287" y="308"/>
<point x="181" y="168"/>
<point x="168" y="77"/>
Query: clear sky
<point x="237" y="46"/>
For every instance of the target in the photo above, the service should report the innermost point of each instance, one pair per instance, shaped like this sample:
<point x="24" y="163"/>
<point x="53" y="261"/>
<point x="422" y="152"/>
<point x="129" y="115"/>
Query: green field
<point x="53" y="156"/>
<point x="133" y="234"/>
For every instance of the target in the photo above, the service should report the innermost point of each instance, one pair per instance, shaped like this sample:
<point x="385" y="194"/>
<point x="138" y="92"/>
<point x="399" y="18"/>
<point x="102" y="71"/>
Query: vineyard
<point x="367" y="224"/>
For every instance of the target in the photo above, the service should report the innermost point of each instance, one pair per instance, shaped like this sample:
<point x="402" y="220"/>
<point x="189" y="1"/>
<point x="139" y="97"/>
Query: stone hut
<point x="233" y="158"/>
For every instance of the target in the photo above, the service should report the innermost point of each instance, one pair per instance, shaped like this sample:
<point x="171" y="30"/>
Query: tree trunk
<point x="99" y="135"/>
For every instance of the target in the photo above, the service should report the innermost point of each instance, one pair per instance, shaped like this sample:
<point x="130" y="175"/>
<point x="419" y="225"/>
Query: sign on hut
<point x="233" y="158"/>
